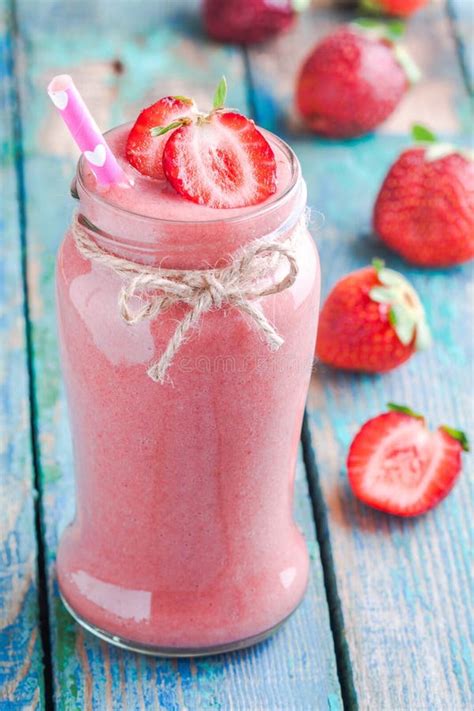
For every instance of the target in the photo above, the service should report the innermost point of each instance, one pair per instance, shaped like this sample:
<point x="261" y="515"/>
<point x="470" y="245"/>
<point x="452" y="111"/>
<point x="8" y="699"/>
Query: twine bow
<point x="239" y="284"/>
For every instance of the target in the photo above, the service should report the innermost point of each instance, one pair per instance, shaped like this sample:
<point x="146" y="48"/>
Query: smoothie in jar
<point x="183" y="540"/>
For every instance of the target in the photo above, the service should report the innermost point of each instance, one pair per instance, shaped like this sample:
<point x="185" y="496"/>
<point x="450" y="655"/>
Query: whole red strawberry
<point x="371" y="321"/>
<point x="425" y="207"/>
<point x="352" y="81"/>
<point x="397" y="465"/>
<point x="398" y="8"/>
<point x="248" y="21"/>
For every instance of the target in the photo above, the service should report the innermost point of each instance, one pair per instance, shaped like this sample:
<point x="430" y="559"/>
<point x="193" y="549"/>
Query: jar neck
<point x="191" y="245"/>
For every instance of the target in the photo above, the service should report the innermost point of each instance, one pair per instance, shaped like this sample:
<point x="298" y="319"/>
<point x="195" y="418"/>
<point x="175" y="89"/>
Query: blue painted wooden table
<point x="387" y="621"/>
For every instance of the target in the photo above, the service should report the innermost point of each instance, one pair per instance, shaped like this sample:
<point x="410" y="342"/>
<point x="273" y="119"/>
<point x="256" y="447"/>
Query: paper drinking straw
<point x="85" y="131"/>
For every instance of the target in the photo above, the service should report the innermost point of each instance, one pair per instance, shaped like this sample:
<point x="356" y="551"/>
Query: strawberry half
<point x="145" y="152"/>
<point x="220" y="160"/>
<point x="397" y="465"/>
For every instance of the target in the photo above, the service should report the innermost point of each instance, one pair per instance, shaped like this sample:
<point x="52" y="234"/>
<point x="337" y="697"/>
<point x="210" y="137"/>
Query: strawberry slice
<point x="220" y="160"/>
<point x="144" y="151"/>
<point x="397" y="465"/>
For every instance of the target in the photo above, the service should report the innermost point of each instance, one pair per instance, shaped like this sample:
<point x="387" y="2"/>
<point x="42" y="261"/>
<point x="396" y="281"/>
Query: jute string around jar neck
<point x="239" y="284"/>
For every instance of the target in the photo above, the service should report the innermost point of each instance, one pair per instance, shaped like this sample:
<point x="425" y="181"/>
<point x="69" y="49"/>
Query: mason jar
<point x="183" y="540"/>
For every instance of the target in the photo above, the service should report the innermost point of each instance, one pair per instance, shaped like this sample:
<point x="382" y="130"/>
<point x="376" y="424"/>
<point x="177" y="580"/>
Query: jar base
<point x="173" y="651"/>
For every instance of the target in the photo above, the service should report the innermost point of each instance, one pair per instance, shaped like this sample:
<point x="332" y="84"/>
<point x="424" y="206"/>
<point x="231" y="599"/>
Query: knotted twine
<point x="239" y="284"/>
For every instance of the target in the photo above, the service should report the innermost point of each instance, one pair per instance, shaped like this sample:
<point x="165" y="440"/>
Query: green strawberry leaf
<point x="404" y="323"/>
<point x="458" y="435"/>
<point x="389" y="277"/>
<point x="396" y="28"/>
<point x="408" y="65"/>
<point x="406" y="314"/>
<point x="378" y="264"/>
<point x="390" y="30"/>
<point x="404" y="409"/>
<point x="300" y="5"/>
<point x="421" y="134"/>
<point x="161" y="130"/>
<point x="381" y="295"/>
<point x="439" y="150"/>
<point x="436" y="151"/>
<point x="423" y="338"/>
<point x="186" y="99"/>
<point x="370" y="6"/>
<point x="368" y="23"/>
<point x="220" y="94"/>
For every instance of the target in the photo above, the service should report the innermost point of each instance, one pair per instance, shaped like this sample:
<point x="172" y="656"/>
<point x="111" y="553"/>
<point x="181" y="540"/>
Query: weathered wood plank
<point x="405" y="587"/>
<point x="296" y="670"/>
<point x="462" y="17"/>
<point x="21" y="673"/>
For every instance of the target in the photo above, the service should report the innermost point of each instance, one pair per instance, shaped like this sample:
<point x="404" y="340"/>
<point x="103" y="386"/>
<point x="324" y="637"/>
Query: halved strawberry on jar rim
<point x="144" y="151"/>
<point x="219" y="159"/>
<point x="397" y="465"/>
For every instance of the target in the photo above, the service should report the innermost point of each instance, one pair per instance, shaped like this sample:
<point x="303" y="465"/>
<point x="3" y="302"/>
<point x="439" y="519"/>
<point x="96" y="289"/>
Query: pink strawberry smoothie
<point x="183" y="539"/>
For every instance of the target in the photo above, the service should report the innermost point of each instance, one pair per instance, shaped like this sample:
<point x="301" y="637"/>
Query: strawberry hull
<point x="372" y="321"/>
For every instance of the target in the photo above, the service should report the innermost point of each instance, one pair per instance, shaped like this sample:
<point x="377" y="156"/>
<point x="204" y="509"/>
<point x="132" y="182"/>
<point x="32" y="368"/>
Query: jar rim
<point x="251" y="212"/>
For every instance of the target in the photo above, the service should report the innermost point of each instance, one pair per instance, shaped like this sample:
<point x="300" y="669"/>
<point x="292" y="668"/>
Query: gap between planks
<point x="336" y="617"/>
<point x="39" y="504"/>
<point x="323" y="520"/>
<point x="17" y="130"/>
<point x="455" y="17"/>
<point x="319" y="510"/>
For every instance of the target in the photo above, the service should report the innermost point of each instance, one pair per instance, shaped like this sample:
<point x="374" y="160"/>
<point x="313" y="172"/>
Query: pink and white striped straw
<point x="84" y="130"/>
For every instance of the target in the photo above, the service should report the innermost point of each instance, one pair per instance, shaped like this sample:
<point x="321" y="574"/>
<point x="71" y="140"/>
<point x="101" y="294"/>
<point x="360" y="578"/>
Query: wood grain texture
<point x="117" y="76"/>
<point x="405" y="587"/>
<point x="462" y="18"/>
<point x="21" y="673"/>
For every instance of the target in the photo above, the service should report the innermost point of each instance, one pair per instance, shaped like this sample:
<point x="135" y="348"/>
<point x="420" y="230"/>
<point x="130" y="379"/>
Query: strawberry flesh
<point x="221" y="160"/>
<point x="145" y="152"/>
<point x="395" y="464"/>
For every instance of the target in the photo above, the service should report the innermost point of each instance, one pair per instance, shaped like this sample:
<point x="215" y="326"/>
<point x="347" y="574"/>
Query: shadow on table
<point x="349" y="513"/>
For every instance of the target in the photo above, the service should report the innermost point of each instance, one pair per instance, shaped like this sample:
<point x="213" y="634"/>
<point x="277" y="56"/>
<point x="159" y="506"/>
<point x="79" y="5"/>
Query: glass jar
<point x="183" y="541"/>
